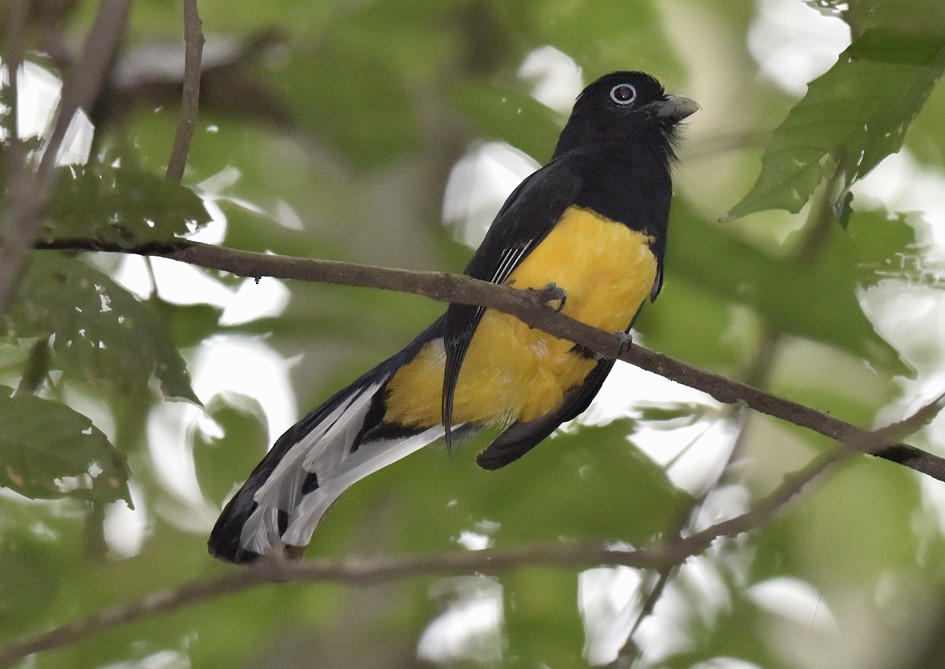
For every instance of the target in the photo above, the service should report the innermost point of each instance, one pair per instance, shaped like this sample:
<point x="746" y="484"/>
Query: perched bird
<point x="592" y="222"/>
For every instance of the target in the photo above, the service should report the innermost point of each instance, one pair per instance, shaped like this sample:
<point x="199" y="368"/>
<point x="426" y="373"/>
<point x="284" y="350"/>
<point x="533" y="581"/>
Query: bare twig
<point x="527" y="306"/>
<point x="915" y="421"/>
<point x="30" y="192"/>
<point x="193" y="54"/>
<point x="369" y="571"/>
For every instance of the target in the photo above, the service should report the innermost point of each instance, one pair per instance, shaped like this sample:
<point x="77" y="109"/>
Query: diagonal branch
<point x="530" y="308"/>
<point x="369" y="571"/>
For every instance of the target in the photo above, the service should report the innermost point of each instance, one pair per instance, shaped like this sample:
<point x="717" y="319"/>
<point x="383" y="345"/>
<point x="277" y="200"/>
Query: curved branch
<point x="530" y="307"/>
<point x="368" y="571"/>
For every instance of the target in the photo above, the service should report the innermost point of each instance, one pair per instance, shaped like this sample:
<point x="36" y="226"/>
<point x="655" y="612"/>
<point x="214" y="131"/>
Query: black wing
<point x="528" y="215"/>
<point x="521" y="437"/>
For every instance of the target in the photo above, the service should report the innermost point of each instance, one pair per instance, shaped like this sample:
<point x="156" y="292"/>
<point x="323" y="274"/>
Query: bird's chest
<point x="606" y="270"/>
<point x="515" y="372"/>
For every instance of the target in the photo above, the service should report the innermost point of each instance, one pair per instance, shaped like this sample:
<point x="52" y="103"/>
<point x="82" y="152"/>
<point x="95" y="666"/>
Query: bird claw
<point x="626" y="339"/>
<point x="550" y="293"/>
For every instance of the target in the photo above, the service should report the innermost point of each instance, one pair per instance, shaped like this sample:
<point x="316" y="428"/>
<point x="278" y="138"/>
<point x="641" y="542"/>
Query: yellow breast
<point x="514" y="372"/>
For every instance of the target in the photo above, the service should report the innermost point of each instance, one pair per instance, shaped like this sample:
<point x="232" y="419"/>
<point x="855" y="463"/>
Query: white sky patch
<point x="77" y="142"/>
<point x="793" y="600"/>
<point x="470" y="628"/>
<point x="164" y="659"/>
<point x="726" y="663"/>
<point x="794" y="43"/>
<point x="125" y="528"/>
<point x="556" y="77"/>
<point x="256" y="299"/>
<point x="608" y="603"/>
<point x="287" y="217"/>
<point x="900" y="184"/>
<point x="908" y="308"/>
<point x="474" y="541"/>
<point x="667" y="630"/>
<point x="480" y="537"/>
<point x="477" y="186"/>
<point x="222" y="364"/>
<point x="177" y="282"/>
<point x="694" y="454"/>
<point x="485" y="176"/>
<point x="38" y="96"/>
<point x="722" y="503"/>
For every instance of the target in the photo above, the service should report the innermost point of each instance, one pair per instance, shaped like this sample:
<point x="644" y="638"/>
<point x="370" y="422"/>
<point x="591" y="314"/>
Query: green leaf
<point x="189" y="324"/>
<point x="221" y="460"/>
<point x="606" y="38"/>
<point x="352" y="120"/>
<point x="907" y="16"/>
<point x="582" y="483"/>
<point x="103" y="334"/>
<point x="120" y="205"/>
<point x="30" y="578"/>
<point x="816" y="300"/>
<point x="509" y="115"/>
<point x="851" y="118"/>
<point x="48" y="451"/>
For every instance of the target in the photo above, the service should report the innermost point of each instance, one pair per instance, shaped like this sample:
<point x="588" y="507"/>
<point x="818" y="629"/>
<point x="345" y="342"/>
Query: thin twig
<point x="527" y="306"/>
<point x="369" y="571"/>
<point x="30" y="192"/>
<point x="919" y="419"/>
<point x="193" y="54"/>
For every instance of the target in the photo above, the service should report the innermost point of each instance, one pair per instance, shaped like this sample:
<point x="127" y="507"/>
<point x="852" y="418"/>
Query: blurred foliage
<point x="329" y="129"/>
<point x="102" y="335"/>
<point x="120" y="206"/>
<point x="870" y="97"/>
<point x="47" y="448"/>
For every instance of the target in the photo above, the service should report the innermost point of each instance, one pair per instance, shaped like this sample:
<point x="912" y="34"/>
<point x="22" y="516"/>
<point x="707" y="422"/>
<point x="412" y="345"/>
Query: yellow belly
<point x="514" y="372"/>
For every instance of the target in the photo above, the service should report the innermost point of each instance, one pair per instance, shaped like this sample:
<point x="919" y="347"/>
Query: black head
<point x="624" y="107"/>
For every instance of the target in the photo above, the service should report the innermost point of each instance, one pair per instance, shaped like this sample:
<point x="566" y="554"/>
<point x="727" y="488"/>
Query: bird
<point x="591" y="226"/>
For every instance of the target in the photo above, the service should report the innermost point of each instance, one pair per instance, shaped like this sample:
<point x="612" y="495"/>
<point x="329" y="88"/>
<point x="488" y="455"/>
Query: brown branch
<point x="193" y="54"/>
<point x="369" y="571"/>
<point x="529" y="306"/>
<point x="30" y="192"/>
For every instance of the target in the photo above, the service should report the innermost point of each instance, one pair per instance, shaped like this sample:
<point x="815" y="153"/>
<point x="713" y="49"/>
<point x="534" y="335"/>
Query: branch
<point x="193" y="54"/>
<point x="369" y="571"/>
<point x="529" y="306"/>
<point x="30" y="192"/>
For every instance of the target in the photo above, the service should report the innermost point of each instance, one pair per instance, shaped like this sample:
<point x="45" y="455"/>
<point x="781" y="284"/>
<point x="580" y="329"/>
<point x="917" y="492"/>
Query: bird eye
<point x="623" y="94"/>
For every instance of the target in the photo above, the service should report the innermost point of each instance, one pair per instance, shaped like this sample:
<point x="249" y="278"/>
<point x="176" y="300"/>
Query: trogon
<point x="592" y="223"/>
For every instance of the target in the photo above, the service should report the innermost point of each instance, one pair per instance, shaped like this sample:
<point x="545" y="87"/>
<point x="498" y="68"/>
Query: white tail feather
<point x="369" y="458"/>
<point x="328" y="452"/>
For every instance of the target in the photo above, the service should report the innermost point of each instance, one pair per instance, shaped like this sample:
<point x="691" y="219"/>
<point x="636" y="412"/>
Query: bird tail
<point x="313" y="463"/>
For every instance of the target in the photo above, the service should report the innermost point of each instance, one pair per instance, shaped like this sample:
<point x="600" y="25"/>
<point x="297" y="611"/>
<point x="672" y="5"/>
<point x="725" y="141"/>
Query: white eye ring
<point x="620" y="92"/>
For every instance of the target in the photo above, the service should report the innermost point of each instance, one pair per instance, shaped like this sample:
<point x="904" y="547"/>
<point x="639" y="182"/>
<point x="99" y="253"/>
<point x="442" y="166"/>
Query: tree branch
<point x="530" y="307"/>
<point x="193" y="54"/>
<point x="369" y="571"/>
